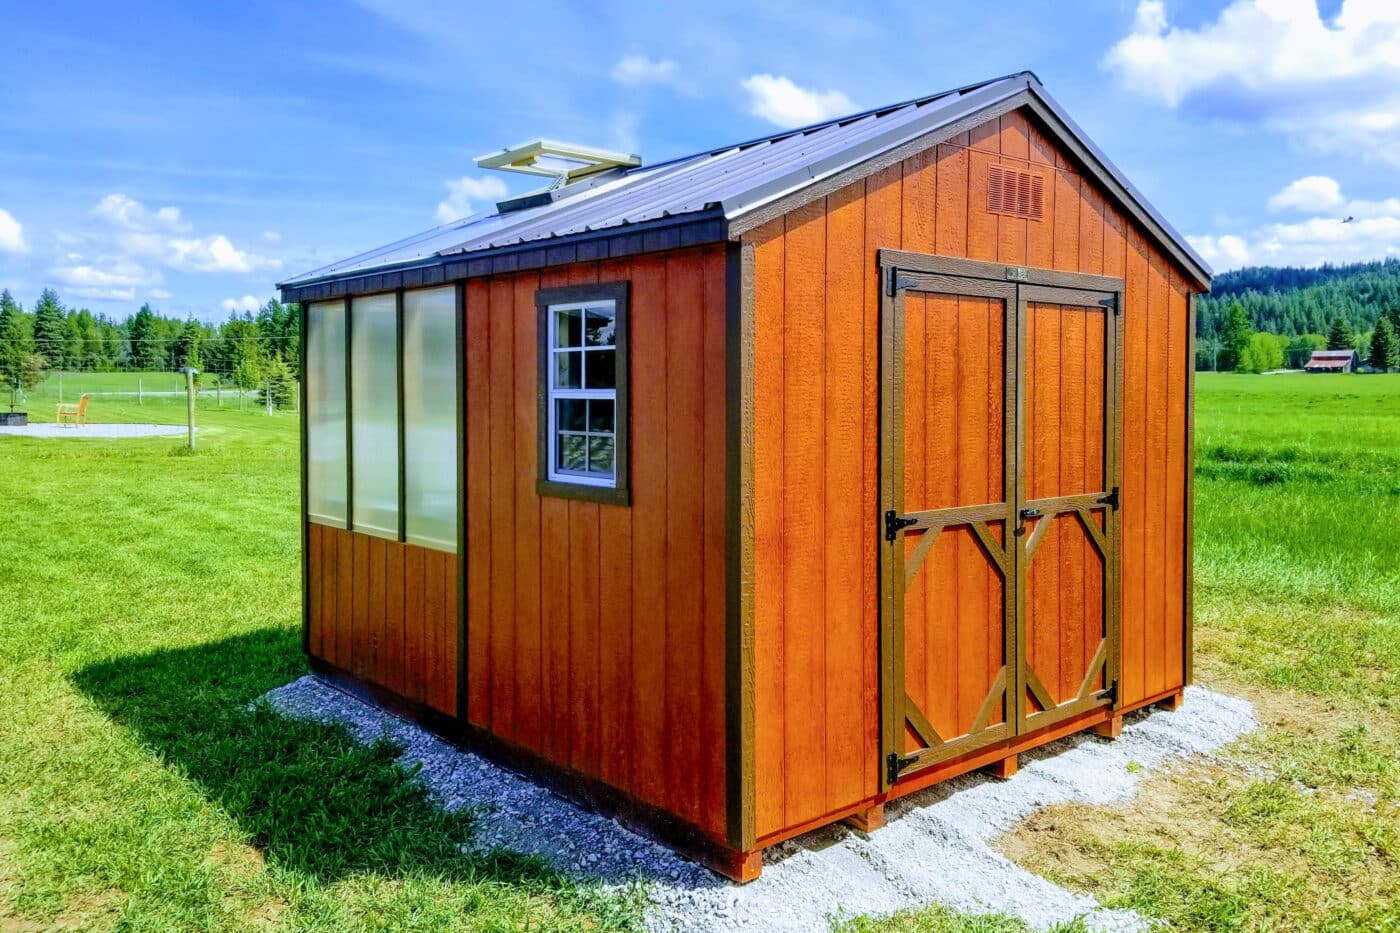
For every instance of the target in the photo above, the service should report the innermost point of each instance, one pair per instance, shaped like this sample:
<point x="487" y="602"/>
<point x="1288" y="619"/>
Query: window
<point x="374" y="415"/>
<point x="583" y="417"/>
<point x="325" y="423"/>
<point x="430" y="417"/>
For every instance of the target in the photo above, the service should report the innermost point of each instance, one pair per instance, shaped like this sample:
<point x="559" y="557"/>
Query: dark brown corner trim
<point x="618" y="292"/>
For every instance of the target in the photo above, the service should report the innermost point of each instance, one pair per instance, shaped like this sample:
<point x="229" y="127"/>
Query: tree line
<point x="1270" y="317"/>
<point x="251" y="350"/>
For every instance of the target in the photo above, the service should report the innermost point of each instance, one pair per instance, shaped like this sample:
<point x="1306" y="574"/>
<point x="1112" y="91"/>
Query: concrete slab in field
<point x="95" y="430"/>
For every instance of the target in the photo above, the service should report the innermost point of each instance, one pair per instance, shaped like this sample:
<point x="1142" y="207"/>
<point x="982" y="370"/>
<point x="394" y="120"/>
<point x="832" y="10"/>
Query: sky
<point x="192" y="155"/>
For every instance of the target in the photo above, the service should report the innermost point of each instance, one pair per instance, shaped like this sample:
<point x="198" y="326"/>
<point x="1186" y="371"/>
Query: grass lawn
<point x="150" y="596"/>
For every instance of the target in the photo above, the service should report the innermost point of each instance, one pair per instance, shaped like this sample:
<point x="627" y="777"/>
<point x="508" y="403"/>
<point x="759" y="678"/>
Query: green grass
<point x="149" y="599"/>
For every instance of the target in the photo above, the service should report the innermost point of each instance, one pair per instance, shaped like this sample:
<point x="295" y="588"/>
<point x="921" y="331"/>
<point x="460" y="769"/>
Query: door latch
<point x="1030" y="513"/>
<point x="894" y="524"/>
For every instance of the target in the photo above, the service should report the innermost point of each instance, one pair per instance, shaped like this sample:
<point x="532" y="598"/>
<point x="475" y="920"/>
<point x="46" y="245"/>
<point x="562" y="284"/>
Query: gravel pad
<point x="935" y="846"/>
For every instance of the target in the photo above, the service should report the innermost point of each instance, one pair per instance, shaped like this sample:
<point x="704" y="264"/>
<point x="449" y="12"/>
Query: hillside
<point x="1289" y="300"/>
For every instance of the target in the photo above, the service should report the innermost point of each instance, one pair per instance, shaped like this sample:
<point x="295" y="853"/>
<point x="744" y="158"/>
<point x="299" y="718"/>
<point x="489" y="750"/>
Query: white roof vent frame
<point x="564" y="162"/>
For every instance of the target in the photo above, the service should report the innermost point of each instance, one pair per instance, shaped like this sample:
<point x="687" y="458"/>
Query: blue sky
<point x="190" y="155"/>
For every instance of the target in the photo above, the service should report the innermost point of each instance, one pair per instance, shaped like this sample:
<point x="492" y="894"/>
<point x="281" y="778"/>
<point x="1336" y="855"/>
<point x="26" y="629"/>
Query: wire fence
<point x="118" y="392"/>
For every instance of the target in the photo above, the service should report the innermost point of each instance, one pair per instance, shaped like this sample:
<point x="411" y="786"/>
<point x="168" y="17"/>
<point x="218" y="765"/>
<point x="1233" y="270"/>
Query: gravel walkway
<point x="933" y="848"/>
<point x="95" y="430"/>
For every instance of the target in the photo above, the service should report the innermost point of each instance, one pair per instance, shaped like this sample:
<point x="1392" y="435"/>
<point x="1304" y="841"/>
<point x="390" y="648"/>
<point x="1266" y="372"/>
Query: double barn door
<point x="999" y="473"/>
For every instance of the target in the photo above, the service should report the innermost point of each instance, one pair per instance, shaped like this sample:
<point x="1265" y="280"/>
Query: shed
<point x="742" y="493"/>
<point x="1331" y="361"/>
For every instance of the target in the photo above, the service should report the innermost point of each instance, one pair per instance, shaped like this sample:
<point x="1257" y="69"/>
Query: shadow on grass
<point x="319" y="804"/>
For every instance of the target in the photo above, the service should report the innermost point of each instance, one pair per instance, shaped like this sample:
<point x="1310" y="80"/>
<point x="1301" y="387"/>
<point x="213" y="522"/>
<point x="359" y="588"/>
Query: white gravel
<point x="935" y="846"/>
<point x="95" y="430"/>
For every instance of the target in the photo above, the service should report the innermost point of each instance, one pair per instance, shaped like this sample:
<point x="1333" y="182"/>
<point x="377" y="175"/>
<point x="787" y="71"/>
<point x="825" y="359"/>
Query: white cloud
<point x="215" y="254"/>
<point x="11" y="234"/>
<point x="122" y="211"/>
<point x="1373" y="232"/>
<point x="1332" y="85"/>
<point x="779" y="101"/>
<point x="159" y="293"/>
<point x="461" y="192"/>
<point x="246" y="303"/>
<point x="636" y="69"/>
<point x="1315" y="193"/>
<point x="271" y="236"/>
<point x="148" y="236"/>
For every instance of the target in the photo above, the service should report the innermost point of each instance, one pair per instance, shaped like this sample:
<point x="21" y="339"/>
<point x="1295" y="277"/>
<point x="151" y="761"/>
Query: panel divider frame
<point x="900" y="271"/>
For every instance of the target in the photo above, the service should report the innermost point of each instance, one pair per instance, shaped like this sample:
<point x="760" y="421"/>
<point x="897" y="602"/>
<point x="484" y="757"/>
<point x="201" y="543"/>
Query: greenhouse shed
<point x="742" y="493"/>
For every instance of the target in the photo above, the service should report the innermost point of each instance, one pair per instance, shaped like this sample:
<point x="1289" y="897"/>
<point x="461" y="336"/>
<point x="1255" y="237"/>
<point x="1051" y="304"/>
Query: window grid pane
<point x="583" y="390"/>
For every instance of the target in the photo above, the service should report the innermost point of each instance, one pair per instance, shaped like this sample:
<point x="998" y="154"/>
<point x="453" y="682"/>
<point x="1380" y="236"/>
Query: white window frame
<point x="557" y="393"/>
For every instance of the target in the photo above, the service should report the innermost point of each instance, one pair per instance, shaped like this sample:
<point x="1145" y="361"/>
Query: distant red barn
<point x="1332" y="361"/>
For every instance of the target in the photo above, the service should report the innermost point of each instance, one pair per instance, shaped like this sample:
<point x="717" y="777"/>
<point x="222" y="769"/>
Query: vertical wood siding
<point x="384" y="611"/>
<point x="816" y="397"/>
<point x="597" y="631"/>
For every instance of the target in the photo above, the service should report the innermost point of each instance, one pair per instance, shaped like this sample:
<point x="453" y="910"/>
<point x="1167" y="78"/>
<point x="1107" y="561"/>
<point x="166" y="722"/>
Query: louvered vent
<point x="1015" y="192"/>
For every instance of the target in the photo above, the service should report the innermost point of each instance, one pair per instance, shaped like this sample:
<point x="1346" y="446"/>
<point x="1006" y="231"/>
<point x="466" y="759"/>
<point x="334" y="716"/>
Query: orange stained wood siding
<point x="597" y="631"/>
<point x="1064" y="437"/>
<point x="384" y="611"/>
<point x="816" y="398"/>
<point x="953" y="426"/>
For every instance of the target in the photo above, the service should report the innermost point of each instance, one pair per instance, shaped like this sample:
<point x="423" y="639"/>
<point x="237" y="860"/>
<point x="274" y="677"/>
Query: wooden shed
<point x="741" y="493"/>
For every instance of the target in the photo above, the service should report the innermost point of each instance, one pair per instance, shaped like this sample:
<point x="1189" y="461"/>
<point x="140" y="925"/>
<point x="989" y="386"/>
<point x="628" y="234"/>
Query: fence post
<point x="60" y="384"/>
<point x="140" y="392"/>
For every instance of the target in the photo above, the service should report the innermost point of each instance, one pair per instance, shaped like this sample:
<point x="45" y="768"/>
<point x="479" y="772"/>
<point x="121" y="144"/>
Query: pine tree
<point x="1236" y="338"/>
<point x="20" y="366"/>
<point x="1339" y="337"/>
<point x="146" y="350"/>
<point x="50" y="329"/>
<point x="187" y="350"/>
<point x="1385" y="346"/>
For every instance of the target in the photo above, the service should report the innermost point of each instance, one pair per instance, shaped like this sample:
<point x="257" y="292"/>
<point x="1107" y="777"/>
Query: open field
<point x="129" y="396"/>
<point x="149" y="596"/>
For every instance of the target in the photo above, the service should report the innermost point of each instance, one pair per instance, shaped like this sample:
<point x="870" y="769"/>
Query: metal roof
<point x="729" y="182"/>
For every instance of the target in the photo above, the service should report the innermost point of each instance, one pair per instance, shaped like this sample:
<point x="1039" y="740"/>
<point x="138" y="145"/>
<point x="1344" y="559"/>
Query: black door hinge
<point x="893" y="524"/>
<point x="1110" y="500"/>
<point x="1110" y="693"/>
<point x="892" y="763"/>
<point x="1110" y="303"/>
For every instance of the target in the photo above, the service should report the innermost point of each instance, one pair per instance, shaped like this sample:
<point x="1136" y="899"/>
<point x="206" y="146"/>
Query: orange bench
<point x="76" y="414"/>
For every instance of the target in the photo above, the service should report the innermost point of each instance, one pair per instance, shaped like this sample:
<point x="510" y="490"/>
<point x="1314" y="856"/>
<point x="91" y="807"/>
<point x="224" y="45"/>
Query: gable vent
<point x="1015" y="192"/>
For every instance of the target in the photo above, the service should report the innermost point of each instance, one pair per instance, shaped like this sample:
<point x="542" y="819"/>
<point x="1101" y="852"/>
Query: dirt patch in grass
<point x="1295" y="829"/>
<point x="98" y="911"/>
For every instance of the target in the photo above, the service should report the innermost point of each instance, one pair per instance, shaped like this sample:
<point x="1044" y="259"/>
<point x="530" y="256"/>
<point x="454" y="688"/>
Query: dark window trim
<point x="618" y="292"/>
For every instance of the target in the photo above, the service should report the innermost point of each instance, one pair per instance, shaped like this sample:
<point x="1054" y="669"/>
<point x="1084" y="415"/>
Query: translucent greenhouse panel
<point x="325" y="421"/>
<point x="430" y="417"/>
<point x="374" y="414"/>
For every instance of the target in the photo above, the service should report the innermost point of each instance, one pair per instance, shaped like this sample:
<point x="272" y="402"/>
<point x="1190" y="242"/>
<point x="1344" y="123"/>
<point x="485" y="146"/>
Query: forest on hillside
<point x="1300" y="309"/>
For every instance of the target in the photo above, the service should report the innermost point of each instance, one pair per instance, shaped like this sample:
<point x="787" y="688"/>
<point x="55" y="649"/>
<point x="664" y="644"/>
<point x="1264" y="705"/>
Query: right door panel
<point x="1068" y="631"/>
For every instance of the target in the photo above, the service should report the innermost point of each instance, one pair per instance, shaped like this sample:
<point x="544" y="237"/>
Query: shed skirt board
<point x="998" y="467"/>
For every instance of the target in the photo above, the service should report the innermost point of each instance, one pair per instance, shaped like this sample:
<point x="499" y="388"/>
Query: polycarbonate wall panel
<point x="430" y="417"/>
<point x="374" y="414"/>
<point x="325" y="417"/>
